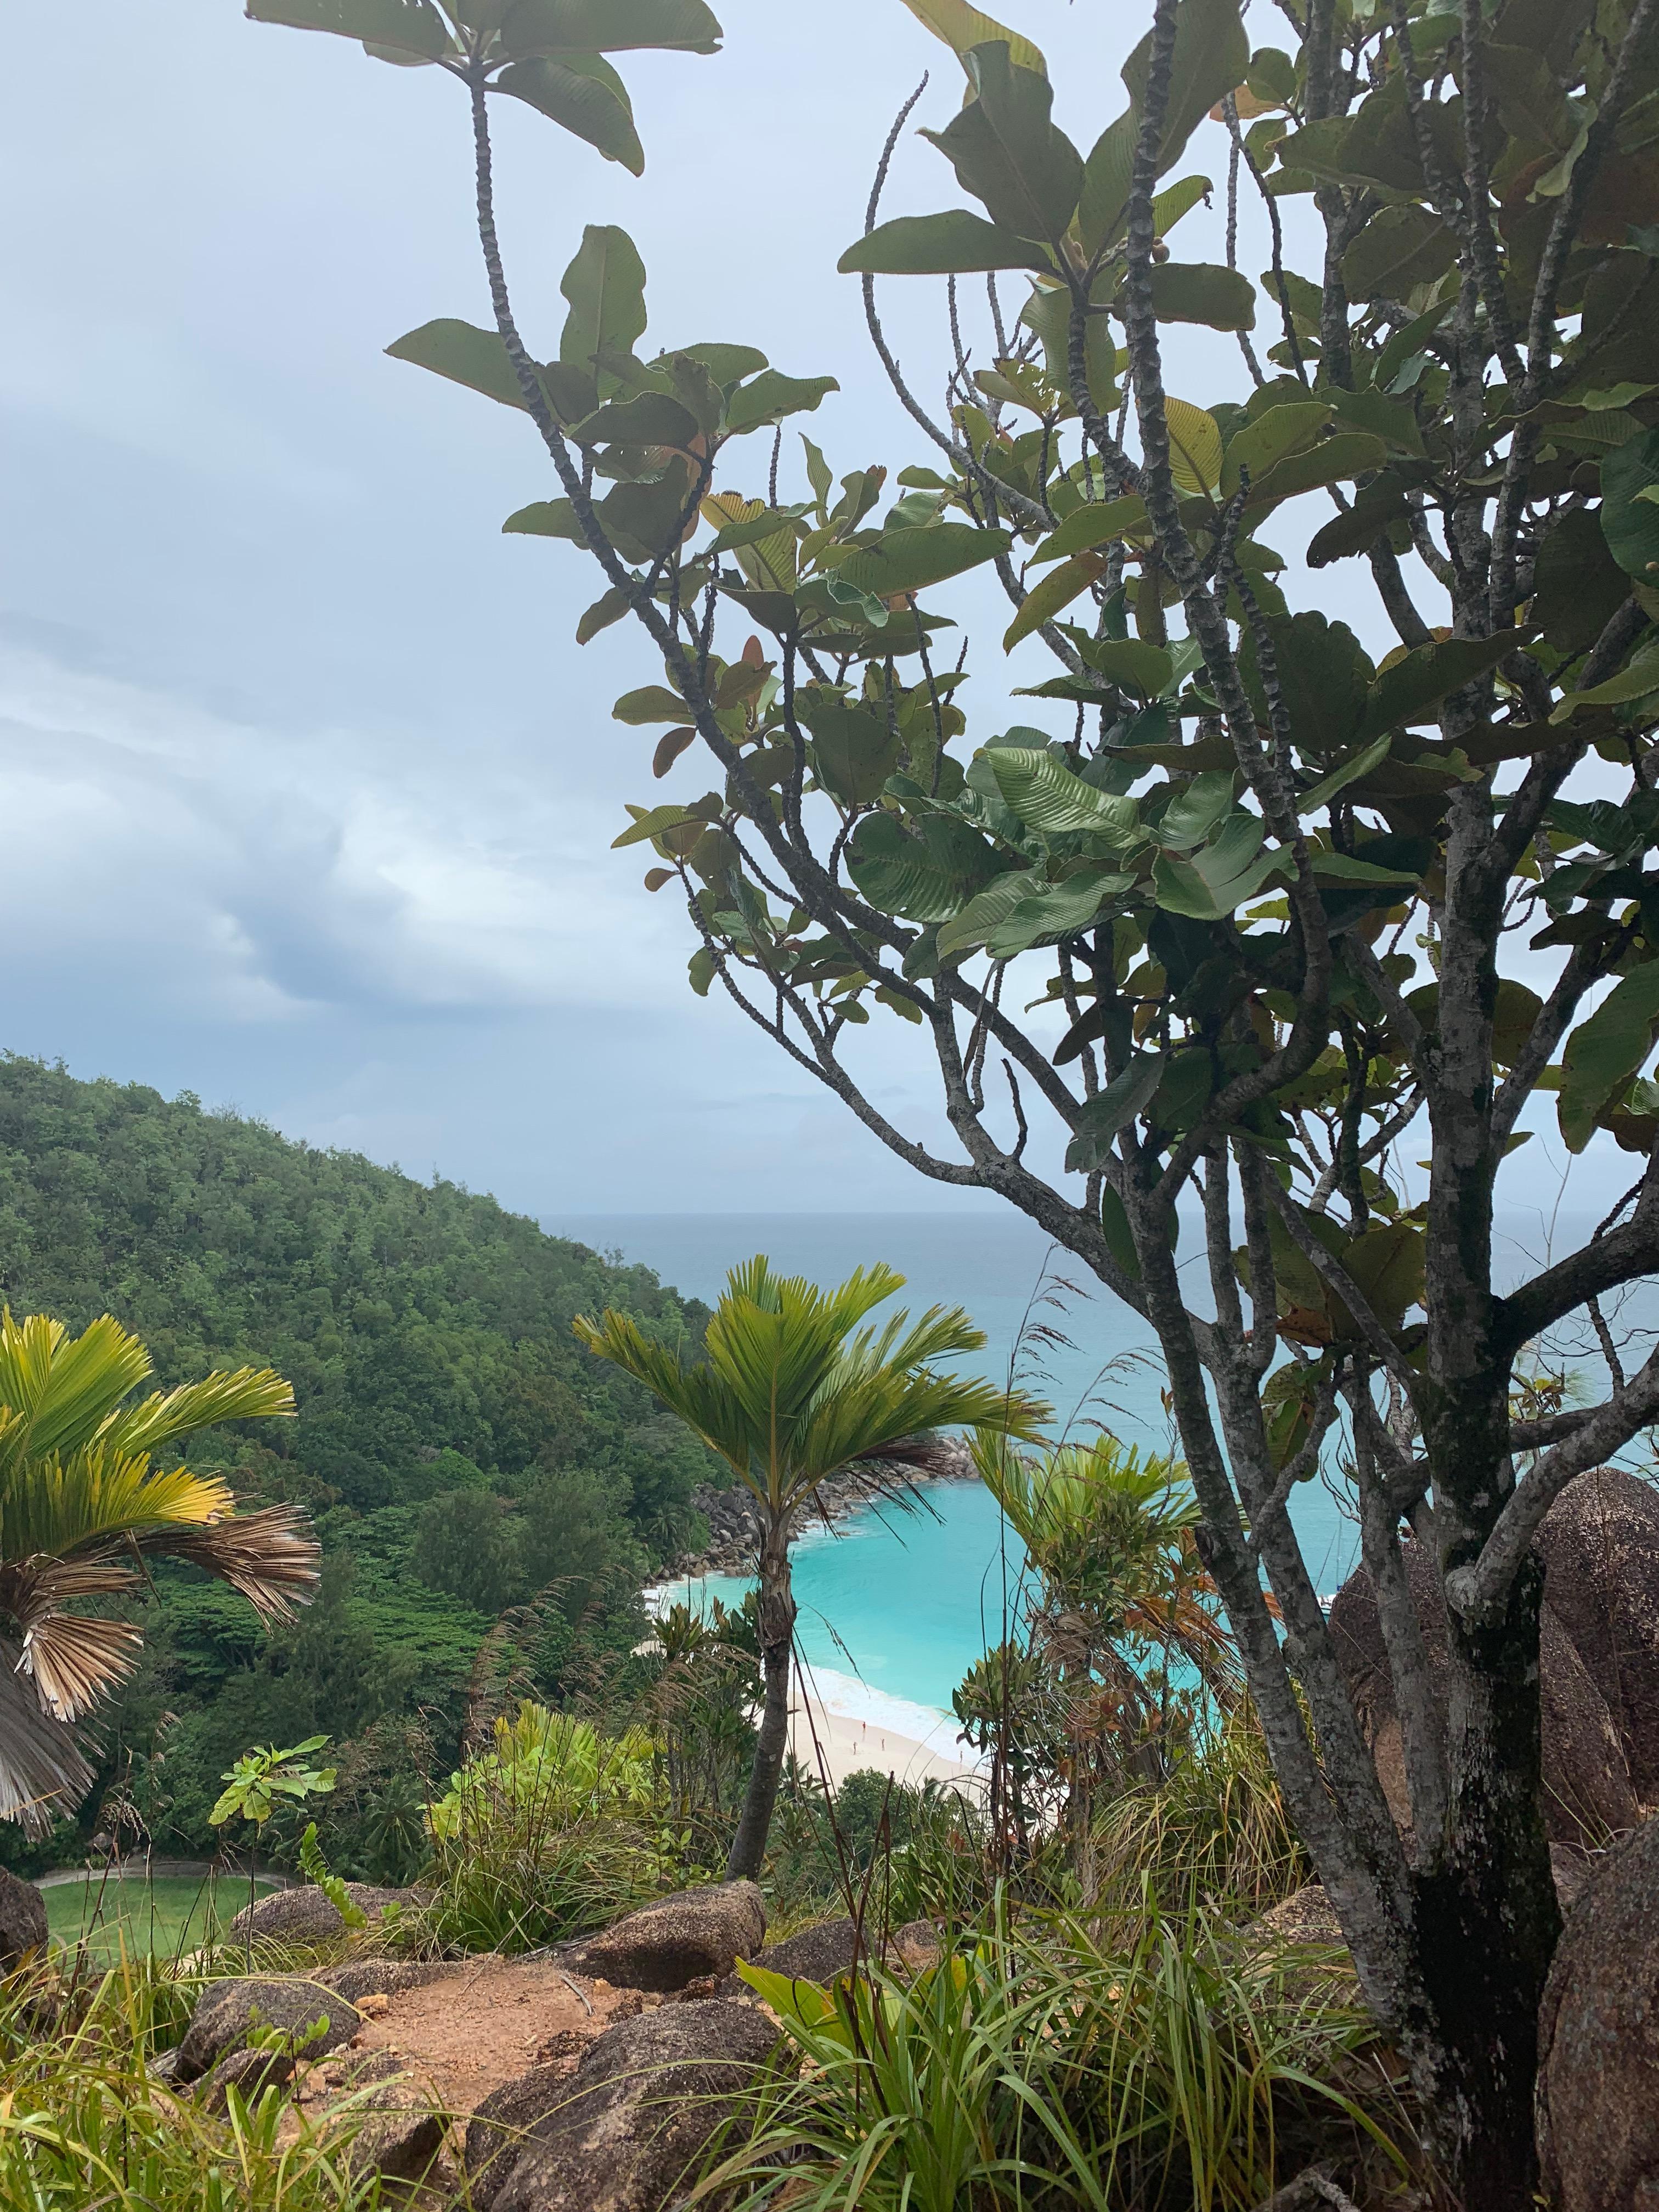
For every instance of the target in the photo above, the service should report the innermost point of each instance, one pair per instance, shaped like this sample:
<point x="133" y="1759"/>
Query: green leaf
<point x="963" y="27"/>
<point x="1194" y="446"/>
<point x="1106" y="176"/>
<point x="1578" y="586"/>
<point x="905" y="560"/>
<point x="1603" y="1053"/>
<point x="545" y="518"/>
<point x="726" y="364"/>
<point x="1411" y="687"/>
<point x="700" y="970"/>
<point x="1635" y="682"/>
<point x="604" y="286"/>
<point x="1217" y="878"/>
<point x="768" y="398"/>
<point x="649" y="418"/>
<point x="754" y="529"/>
<point x="1346" y="868"/>
<point x="1054" y="913"/>
<point x="1203" y="292"/>
<point x="1323" y="675"/>
<point x="1349" y="771"/>
<point x="1093" y="525"/>
<point x="1048" y="312"/>
<point x="927" y="877"/>
<point x="1630" y="522"/>
<point x="1212" y="55"/>
<point x="610" y="607"/>
<point x="653" y="702"/>
<point x="1259" y="446"/>
<point x="1392" y="420"/>
<point x="1145" y="668"/>
<point x="1007" y="152"/>
<point x="1400" y="248"/>
<point x="407" y="27"/>
<point x="1334" y="460"/>
<point x="852" y="749"/>
<point x="586" y="97"/>
<point x="956" y="242"/>
<point x="982" y="913"/>
<point x="594" y="27"/>
<point x="1047" y="798"/>
<point x="464" y="353"/>
<point x="651" y="822"/>
<point x="1056" y="591"/>
<point x="1193" y="814"/>
<point x="654" y="515"/>
<point x="1375" y="510"/>
<point x="1100" y="1119"/>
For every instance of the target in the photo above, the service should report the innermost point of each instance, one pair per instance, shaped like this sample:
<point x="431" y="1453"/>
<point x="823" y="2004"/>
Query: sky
<point x="310" y="792"/>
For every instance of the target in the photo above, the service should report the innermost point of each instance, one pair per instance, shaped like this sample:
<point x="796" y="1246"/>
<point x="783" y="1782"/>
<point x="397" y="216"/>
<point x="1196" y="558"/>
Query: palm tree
<point x="788" y="1395"/>
<point x="82" y="1508"/>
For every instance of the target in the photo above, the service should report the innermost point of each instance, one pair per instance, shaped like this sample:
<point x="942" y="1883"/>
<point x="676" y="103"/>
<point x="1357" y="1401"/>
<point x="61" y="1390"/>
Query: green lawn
<point x="174" y="1913"/>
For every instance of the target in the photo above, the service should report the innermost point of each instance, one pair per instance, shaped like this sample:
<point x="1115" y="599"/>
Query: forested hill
<point x="459" y="1449"/>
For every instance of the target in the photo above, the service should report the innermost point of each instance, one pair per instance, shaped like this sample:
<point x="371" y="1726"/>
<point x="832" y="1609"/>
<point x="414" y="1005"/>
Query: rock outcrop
<point x="306" y="1915"/>
<point x="1598" y="2071"/>
<point x="677" y="1939"/>
<point x="624" y="2132"/>
<point x="227" y="2012"/>
<point x="22" y="1921"/>
<point x="1599" y="1658"/>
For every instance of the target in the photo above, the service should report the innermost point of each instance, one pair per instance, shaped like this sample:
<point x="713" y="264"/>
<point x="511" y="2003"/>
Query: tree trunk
<point x="777" y="1635"/>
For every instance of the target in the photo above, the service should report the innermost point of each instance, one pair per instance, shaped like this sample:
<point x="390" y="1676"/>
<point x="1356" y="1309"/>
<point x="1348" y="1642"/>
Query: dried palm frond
<point x="43" y="1772"/>
<point x="269" y="1557"/>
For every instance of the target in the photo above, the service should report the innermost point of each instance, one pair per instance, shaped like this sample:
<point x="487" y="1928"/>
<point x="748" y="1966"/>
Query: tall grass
<point x="1186" y="2072"/>
<point x="84" y="2124"/>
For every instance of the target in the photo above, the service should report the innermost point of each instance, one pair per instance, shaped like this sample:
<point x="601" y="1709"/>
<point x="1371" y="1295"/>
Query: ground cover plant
<point x="1293" y="899"/>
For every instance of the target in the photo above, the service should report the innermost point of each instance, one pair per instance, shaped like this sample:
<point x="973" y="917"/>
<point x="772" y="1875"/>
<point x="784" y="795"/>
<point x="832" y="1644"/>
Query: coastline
<point x="860" y="1729"/>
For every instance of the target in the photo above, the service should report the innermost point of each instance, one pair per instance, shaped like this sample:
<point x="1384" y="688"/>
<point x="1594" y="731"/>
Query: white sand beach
<point x="858" y="1728"/>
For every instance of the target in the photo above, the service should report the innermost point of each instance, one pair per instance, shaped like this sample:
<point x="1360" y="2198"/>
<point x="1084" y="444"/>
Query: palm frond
<point x="43" y="1772"/>
<point x="64" y="1505"/>
<point x="269" y="1557"/>
<point x="248" y="1393"/>
<point x="64" y="1388"/>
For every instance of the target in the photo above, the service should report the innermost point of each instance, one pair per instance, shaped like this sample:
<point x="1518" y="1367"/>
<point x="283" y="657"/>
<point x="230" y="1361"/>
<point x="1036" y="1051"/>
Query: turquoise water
<point x="906" y="1602"/>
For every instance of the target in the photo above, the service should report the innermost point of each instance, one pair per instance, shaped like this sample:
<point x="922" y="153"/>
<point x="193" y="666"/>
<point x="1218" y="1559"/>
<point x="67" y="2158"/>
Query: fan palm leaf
<point x="82" y="1506"/>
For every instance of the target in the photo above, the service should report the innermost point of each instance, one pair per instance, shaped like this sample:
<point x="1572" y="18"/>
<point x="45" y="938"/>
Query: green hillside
<point x="459" y="1452"/>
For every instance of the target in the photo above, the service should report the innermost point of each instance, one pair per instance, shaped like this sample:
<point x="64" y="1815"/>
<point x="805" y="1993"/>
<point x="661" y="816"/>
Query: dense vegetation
<point x="460" y="1451"/>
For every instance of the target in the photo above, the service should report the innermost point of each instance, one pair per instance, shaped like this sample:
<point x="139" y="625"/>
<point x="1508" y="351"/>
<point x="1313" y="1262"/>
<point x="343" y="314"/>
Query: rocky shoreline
<point x="734" y="1523"/>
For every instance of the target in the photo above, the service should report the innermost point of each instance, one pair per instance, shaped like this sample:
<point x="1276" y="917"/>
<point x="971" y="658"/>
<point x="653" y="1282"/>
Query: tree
<point x="788" y="1395"/>
<point x="82" y="1507"/>
<point x="260" y="1781"/>
<point x="1291" y="903"/>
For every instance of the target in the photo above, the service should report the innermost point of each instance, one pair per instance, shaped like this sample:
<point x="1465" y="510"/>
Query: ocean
<point x="895" y="1606"/>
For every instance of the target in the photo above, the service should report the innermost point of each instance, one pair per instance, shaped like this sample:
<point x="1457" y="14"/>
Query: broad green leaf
<point x="585" y="95"/>
<point x="1096" y="524"/>
<point x="1399" y="248"/>
<point x="1630" y="522"/>
<point x="955" y="243"/>
<point x="406" y="27"/>
<point x="1330" y="867"/>
<point x="1605" y="1051"/>
<point x="1410" y="689"/>
<point x="768" y="398"/>
<point x="1106" y="175"/>
<point x="962" y="28"/>
<point x="1177" y="200"/>
<point x="1193" y="814"/>
<point x="1147" y="668"/>
<point x="1048" y="312"/>
<point x="1217" y="878"/>
<point x="726" y="364"/>
<point x="905" y="560"/>
<point x="655" y="515"/>
<point x="1323" y="676"/>
<point x="1047" y="797"/>
<point x="649" y="418"/>
<point x="982" y="913"/>
<point x="1194" y="446"/>
<point x="464" y="353"/>
<point x="653" y="702"/>
<point x="1375" y="511"/>
<point x="853" y="751"/>
<point x="604" y="286"/>
<point x="1350" y="454"/>
<point x="545" y="518"/>
<point x="1259" y="446"/>
<point x="1056" y="591"/>
<point x="1321" y="794"/>
<point x="595" y="26"/>
<point x="1212" y="55"/>
<point x="651" y="822"/>
<point x="1392" y="420"/>
<point x="1100" y="1119"/>
<point x="610" y="607"/>
<point x="1008" y="153"/>
<point x="752" y="529"/>
<point x="1635" y="682"/>
<point x="765" y="543"/>
<point x="1203" y="292"/>
<point x="1578" y="586"/>
<point x="927" y="877"/>
<point x="1054" y="913"/>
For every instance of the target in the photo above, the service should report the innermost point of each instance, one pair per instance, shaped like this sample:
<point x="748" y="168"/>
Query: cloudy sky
<point x="309" y="791"/>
